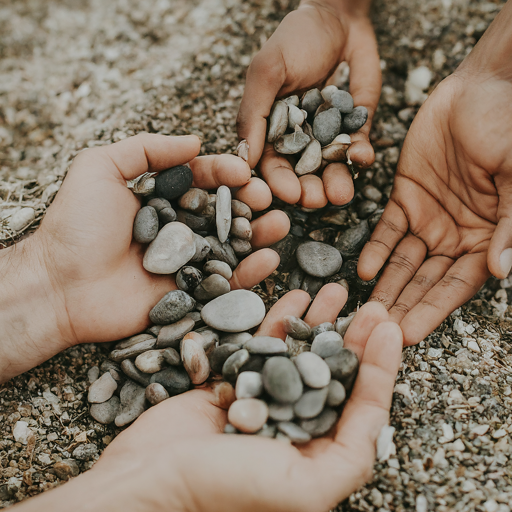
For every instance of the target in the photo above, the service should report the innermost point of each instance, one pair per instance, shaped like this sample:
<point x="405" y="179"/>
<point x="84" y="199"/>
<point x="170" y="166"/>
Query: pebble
<point x="145" y="226"/>
<point x="241" y="228"/>
<point x="174" y="182"/>
<point x="248" y="385"/>
<point x="292" y="143"/>
<point x="294" y="432"/>
<point x="311" y="100"/>
<point x="218" y="267"/>
<point x="172" y="356"/>
<point x="172" y="248"/>
<point x="343" y="323"/>
<point x="296" y="116"/>
<point x="106" y="412"/>
<point x="326" y="344"/>
<point x="366" y="208"/>
<point x="295" y="347"/>
<point x="318" y="259"/>
<point x="223" y="252"/>
<point x="372" y="193"/>
<point x="223" y="213"/>
<point x="211" y="287"/>
<point x="281" y="380"/>
<point x="355" y="120"/>
<point x="236" y="311"/>
<point x="66" y="469"/>
<point x="219" y="355"/>
<point x="323" y="327"/>
<point x="280" y="412"/>
<point x="292" y="100"/>
<point x="174" y="379"/>
<point x="240" y="209"/>
<point x="208" y="338"/>
<point x="159" y="204"/>
<point x="310" y="160"/>
<point x="102" y="389"/>
<point x="296" y="327"/>
<point x="266" y="345"/>
<point x="248" y="415"/>
<point x="344" y="367"/>
<point x="85" y="452"/>
<point x="326" y="126"/>
<point x="151" y="361"/>
<point x="342" y="100"/>
<point x="233" y="364"/>
<point x="188" y="278"/>
<point x="145" y="185"/>
<point x="93" y="374"/>
<point x="172" y="307"/>
<point x="311" y="403"/>
<point x="254" y="364"/>
<point x="170" y="335"/>
<point x="241" y="247"/>
<point x="351" y="242"/>
<point x="278" y="121"/>
<point x="202" y="248"/>
<point x="133" y="399"/>
<point x="130" y="370"/>
<point x="336" y="151"/>
<point x="328" y="91"/>
<point x="313" y="369"/>
<point x="127" y="343"/>
<point x="156" y="393"/>
<point x="194" y="200"/>
<point x="336" y="393"/>
<point x="22" y="218"/>
<point x="238" y="338"/>
<point x="319" y="426"/>
<point x="267" y="431"/>
<point x="195" y="361"/>
<point x="167" y="215"/>
<point x="199" y="224"/>
<point x="21" y="432"/>
<point x="296" y="278"/>
<point x="312" y="284"/>
<point x="373" y="220"/>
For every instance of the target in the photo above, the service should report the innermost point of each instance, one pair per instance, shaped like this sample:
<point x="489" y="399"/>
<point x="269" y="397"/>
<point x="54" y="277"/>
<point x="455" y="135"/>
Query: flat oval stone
<point x="296" y="327"/>
<point x="145" y="226"/>
<point x="310" y="160"/>
<point x="312" y="284"/>
<point x="188" y="278"/>
<point x="280" y="412"/>
<point x="281" y="380"/>
<point x="291" y="143"/>
<point x="151" y="361"/>
<point x="170" y="335"/>
<point x="106" y="412"/>
<point x="233" y="363"/>
<point x="172" y="356"/>
<point x="156" y="393"/>
<point x="318" y="259"/>
<point x="223" y="252"/>
<point x="344" y="367"/>
<point x="172" y="307"/>
<point x="173" y="182"/>
<point x="240" y="209"/>
<point x="313" y="369"/>
<point x="167" y="215"/>
<point x="130" y="370"/>
<point x="336" y="393"/>
<point x="102" y="389"/>
<point x="311" y="403"/>
<point x="242" y="248"/>
<point x="355" y="120"/>
<point x="343" y="101"/>
<point x="195" y="361"/>
<point x="278" y="121"/>
<point x="326" y="344"/>
<point x="342" y="323"/>
<point x="326" y="126"/>
<point x="202" y="248"/>
<point x="174" y="379"/>
<point x="131" y="341"/>
<point x="211" y="287"/>
<point x="311" y="100"/>
<point x="159" y="203"/>
<point x="241" y="228"/>
<point x="266" y="345"/>
<point x="238" y="338"/>
<point x="172" y="248"/>
<point x="236" y="311"/>
<point x="219" y="355"/>
<point x="194" y="200"/>
<point x="223" y="213"/>
<point x="218" y="267"/>
<point x="248" y="385"/>
<point x="351" y="242"/>
<point x="133" y="350"/>
<point x="248" y="415"/>
<point x="296" y="434"/>
<point x="320" y="425"/>
<point x="132" y="403"/>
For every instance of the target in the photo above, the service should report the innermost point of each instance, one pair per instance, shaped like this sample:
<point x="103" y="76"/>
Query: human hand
<point x="303" y="53"/>
<point x="80" y="278"/>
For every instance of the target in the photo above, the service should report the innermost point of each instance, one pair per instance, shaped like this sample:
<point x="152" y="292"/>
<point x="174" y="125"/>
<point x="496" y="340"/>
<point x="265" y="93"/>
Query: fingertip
<point x="312" y="192"/>
<point x="327" y="304"/>
<point x="256" y="194"/>
<point x="390" y="333"/>
<point x="338" y="184"/>
<point x="361" y="153"/>
<point x="367" y="267"/>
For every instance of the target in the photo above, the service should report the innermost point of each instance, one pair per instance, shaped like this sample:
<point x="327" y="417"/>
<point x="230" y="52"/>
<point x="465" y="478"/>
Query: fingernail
<point x="506" y="261"/>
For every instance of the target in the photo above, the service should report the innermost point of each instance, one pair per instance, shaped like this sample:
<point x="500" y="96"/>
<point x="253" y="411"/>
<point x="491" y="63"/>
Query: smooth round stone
<point x="242" y="248"/>
<point x="296" y="327"/>
<point x="344" y="367"/>
<point x="336" y="393"/>
<point x="351" y="242"/>
<point x="208" y="338"/>
<point x="318" y="259"/>
<point x="230" y="429"/>
<point x="248" y="415"/>
<point x="328" y="91"/>
<point x="266" y="345"/>
<point x="319" y="426"/>
<point x="318" y="329"/>
<point x="240" y="209"/>
<point x="296" y="434"/>
<point x="130" y="370"/>
<point x="93" y="374"/>
<point x="133" y="399"/>
<point x="236" y="311"/>
<point x="172" y="356"/>
<point x="238" y="338"/>
<point x="311" y="100"/>
<point x="223" y="252"/>
<point x="199" y="224"/>
<point x="313" y="369"/>
<point x="219" y="355"/>
<point x="102" y="389"/>
<point x="195" y="361"/>
<point x="326" y="344"/>
<point x="218" y="267"/>
<point x="188" y="278"/>
<point x="174" y="379"/>
<point x="343" y="323"/>
<point x="355" y="120"/>
<point x="133" y="340"/>
<point x="202" y="248"/>
<point x="281" y="380"/>
<point x="372" y="193"/>
<point x="223" y="213"/>
<point x="194" y="200"/>
<point x="280" y="412"/>
<point x="170" y="335"/>
<point x="167" y="215"/>
<point x="106" y="412"/>
<point x="211" y="287"/>
<point x="172" y="248"/>
<point x="326" y="126"/>
<point x="172" y="307"/>
<point x="310" y="160"/>
<point x="254" y="364"/>
<point x="311" y="403"/>
<point x="196" y="317"/>
<point x="292" y="143"/>
<point x="311" y="284"/>
<point x="241" y="228"/>
<point x="145" y="226"/>
<point x="248" y="385"/>
<point x="151" y="361"/>
<point x="293" y="100"/>
<point x="173" y="182"/>
<point x="156" y="393"/>
<point x="343" y="101"/>
<point x="234" y="362"/>
<point x="159" y="203"/>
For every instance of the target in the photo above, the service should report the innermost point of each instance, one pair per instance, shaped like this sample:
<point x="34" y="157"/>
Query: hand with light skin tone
<point x="79" y="278"/>
<point x="302" y="54"/>
<point x="175" y="457"/>
<point x="448" y="224"/>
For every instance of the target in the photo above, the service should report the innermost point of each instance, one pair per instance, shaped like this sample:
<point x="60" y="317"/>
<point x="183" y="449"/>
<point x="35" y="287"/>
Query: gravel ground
<point x="81" y="74"/>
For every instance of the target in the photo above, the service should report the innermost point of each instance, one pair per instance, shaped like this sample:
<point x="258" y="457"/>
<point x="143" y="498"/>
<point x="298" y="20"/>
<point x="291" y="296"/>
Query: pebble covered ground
<point x="76" y="75"/>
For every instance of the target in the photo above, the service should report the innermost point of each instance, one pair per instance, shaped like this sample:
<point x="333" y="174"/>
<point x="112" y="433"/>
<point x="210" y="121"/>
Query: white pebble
<point x="22" y="219"/>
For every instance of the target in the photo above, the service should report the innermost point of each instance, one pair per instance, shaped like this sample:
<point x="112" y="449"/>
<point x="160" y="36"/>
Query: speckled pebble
<point x="266" y="345"/>
<point x="172" y="307"/>
<point x="318" y="259"/>
<point x="145" y="226"/>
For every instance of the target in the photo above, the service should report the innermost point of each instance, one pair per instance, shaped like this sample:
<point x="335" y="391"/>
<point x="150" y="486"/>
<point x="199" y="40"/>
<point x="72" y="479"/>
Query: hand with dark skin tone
<point x="302" y="54"/>
<point x="448" y="224"/>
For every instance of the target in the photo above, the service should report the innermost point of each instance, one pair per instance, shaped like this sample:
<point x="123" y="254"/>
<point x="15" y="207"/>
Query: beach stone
<point x="311" y="284"/>
<point x="194" y="200"/>
<point x="102" y="389"/>
<point x="234" y="362"/>
<point x="242" y="248"/>
<point x="296" y="347"/>
<point x="147" y="343"/>
<point x="172" y="248"/>
<point x="132" y="403"/>
<point x="188" y="278"/>
<point x="355" y="120"/>
<point x="174" y="379"/>
<point x="173" y="182"/>
<point x="278" y="121"/>
<point x="223" y="213"/>
<point x="318" y="259"/>
<point x="344" y="367"/>
<point x="296" y="116"/>
<point x="266" y="345"/>
<point x="196" y="317"/>
<point x="268" y="431"/>
<point x="219" y="355"/>
<point x="343" y="323"/>
<point x="198" y="223"/>
<point x="202" y="248"/>
<point x="236" y="311"/>
<point x="130" y="370"/>
<point x="292" y="100"/>
<point x="172" y="356"/>
<point x="296" y="434"/>
<point x="248" y="385"/>
<point x="67" y="468"/>
<point x="85" y="452"/>
<point x="323" y="327"/>
<point x="109" y="366"/>
<point x="93" y="374"/>
<point x="211" y="287"/>
<point x="311" y="100"/>
<point x="311" y="403"/>
<point x="130" y="342"/>
<point x="372" y="193"/>
<point x="238" y="338"/>
<point x="173" y="306"/>
<point x="170" y="335"/>
<point x="106" y="412"/>
<point x="240" y="209"/>
<point x="296" y="327"/>
<point x="374" y="218"/>
<point x="313" y="369"/>
<point x="254" y="364"/>
<point x="366" y="208"/>
<point x="145" y="226"/>
<point x="167" y="215"/>
<point x="151" y="361"/>
<point x="218" y="267"/>
<point x="326" y="126"/>
<point x="326" y="344"/>
<point x="195" y="360"/>
<point x="336" y="393"/>
<point x="319" y="426"/>
<point x="224" y="394"/>
<point x="208" y="338"/>
<point x="22" y="218"/>
<point x="156" y="393"/>
<point x="291" y="143"/>
<point x="281" y="380"/>
<point x="343" y="101"/>
<point x="241" y="228"/>
<point x="296" y="279"/>
<point x="310" y="160"/>
<point x="280" y="412"/>
<point x="223" y="252"/>
<point x="248" y="415"/>
<point x="159" y="204"/>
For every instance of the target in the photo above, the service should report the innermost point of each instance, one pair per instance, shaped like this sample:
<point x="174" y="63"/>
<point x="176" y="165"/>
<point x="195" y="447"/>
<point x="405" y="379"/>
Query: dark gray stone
<point x="130" y="370"/>
<point x="233" y="363"/>
<point x="373" y="220"/>
<point x="296" y="327"/>
<point x="281" y="380"/>
<point x="366" y="208"/>
<point x="173" y="182"/>
<point x="194" y="222"/>
<point x="344" y="367"/>
<point x="311" y="403"/>
<point x="172" y="357"/>
<point x="318" y="259"/>
<point x="296" y="279"/>
<point x="219" y="355"/>
<point x="145" y="226"/>
<point x="188" y="278"/>
<point x="343" y="101"/>
<point x="172" y="307"/>
<point x="355" y="120"/>
<point x="351" y="242"/>
<point x="266" y="345"/>
<point x="174" y="379"/>
<point x="311" y="100"/>
<point x="223" y="252"/>
<point x="255" y="363"/>
<point x="319" y="426"/>
<point x="326" y="126"/>
<point x="312" y="284"/>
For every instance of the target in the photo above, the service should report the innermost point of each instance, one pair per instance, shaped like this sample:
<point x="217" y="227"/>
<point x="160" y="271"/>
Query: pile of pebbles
<point x="322" y="140"/>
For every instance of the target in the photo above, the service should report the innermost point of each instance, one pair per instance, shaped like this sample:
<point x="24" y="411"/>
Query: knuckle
<point x="422" y="281"/>
<point x="391" y="225"/>
<point x="402" y="307"/>
<point x="402" y="263"/>
<point x="382" y="297"/>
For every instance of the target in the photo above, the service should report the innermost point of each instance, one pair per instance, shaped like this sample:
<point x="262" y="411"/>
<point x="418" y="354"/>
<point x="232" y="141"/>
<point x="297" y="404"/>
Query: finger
<point x="461" y="282"/>
<point x="293" y="303"/>
<point x="253" y="269"/>
<point x="365" y="321"/>
<point x="280" y="176"/>
<point x="328" y="302"/>
<point x="499" y="256"/>
<point x="338" y="184"/>
<point x="269" y="229"/>
<point x="428" y="275"/>
<point x="391" y="228"/>
<point x="215" y="170"/>
<point x="400" y="269"/>
<point x="312" y="193"/>
<point x="255" y="194"/>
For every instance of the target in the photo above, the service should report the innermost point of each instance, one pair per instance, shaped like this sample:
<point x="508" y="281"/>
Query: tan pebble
<point x="248" y="414"/>
<point x="194" y="360"/>
<point x="241" y="247"/>
<point x="242" y="150"/>
<point x="310" y="160"/>
<point x="151" y="361"/>
<point x="240" y="209"/>
<point x="241" y="228"/>
<point x="224" y="394"/>
<point x="336" y="151"/>
<point x="156" y="393"/>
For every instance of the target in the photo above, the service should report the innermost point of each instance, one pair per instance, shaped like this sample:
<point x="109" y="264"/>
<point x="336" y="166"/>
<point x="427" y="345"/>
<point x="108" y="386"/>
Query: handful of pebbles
<point x="315" y="128"/>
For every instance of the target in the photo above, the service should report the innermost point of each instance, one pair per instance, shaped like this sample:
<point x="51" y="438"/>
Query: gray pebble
<point x="355" y="120"/>
<point x="311" y="284"/>
<point x="343" y="323"/>
<point x="194" y="200"/>
<point x="336" y="393"/>
<point x="159" y="204"/>
<point x="313" y="369"/>
<point x="167" y="215"/>
<point x="223" y="213"/>
<point x="154" y="330"/>
<point x="344" y="367"/>
<point x="323" y="327"/>
<point x="366" y="208"/>
<point x="292" y="143"/>
<point x="296" y="327"/>
<point x="311" y="158"/>
<point x="145" y="226"/>
<point x="343" y="101"/>
<point x="319" y="426"/>
<point x="294" y="432"/>
<point x="266" y="345"/>
<point x="267" y="431"/>
<point x="234" y="362"/>
<point x="172" y="307"/>
<point x="281" y="380"/>
<point x="132" y="403"/>
<point x="242" y="248"/>
<point x="133" y="350"/>
<point x="173" y="182"/>
<point x="109" y="365"/>
<point x="199" y="224"/>
<point x="211" y="287"/>
<point x="174" y="379"/>
<point x="102" y="389"/>
<point x="93" y="374"/>
<point x="188" y="278"/>
<point x="240" y="209"/>
<point x="238" y="338"/>
<point x="241" y="228"/>
<point x="278" y="121"/>
<point x="292" y="100"/>
<point x="196" y="317"/>
<point x="218" y="267"/>
<point x="318" y="259"/>
<point x="172" y="357"/>
<point x="170" y="335"/>
<point x="254" y="364"/>
<point x="248" y="385"/>
<point x="223" y="252"/>
<point x="219" y="355"/>
<point x="209" y="338"/>
<point x="151" y="361"/>
<point x="156" y="393"/>
<point x="202" y="248"/>
<point x="327" y="344"/>
<point x="372" y="193"/>
<point x="106" y="412"/>
<point x="373" y="220"/>
<point x="326" y="126"/>
<point x="296" y="278"/>
<point x="311" y="100"/>
<point x="130" y="370"/>
<point x="351" y="242"/>
<point x="280" y="412"/>
<point x="85" y="452"/>
<point x="311" y="403"/>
